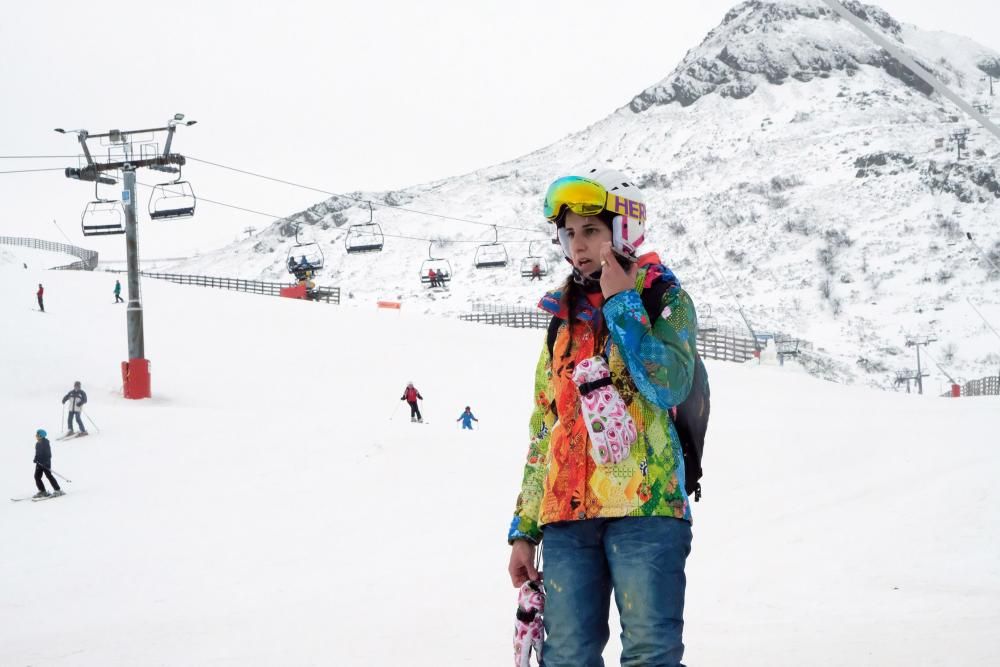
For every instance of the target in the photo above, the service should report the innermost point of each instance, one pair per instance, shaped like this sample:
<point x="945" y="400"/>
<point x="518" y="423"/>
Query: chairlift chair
<point x="706" y="321"/>
<point x="304" y="257"/>
<point x="364" y="237"/>
<point x="529" y="263"/>
<point x="103" y="217"/>
<point x="172" y="200"/>
<point x="492" y="255"/>
<point x="440" y="266"/>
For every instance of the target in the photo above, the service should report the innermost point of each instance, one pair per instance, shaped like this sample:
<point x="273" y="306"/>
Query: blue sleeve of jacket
<point x="660" y="357"/>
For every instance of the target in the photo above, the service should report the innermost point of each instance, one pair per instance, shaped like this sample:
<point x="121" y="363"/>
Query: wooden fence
<point x="324" y="294"/>
<point x="516" y="319"/>
<point x="722" y="344"/>
<point x="88" y="258"/>
<point x="987" y="386"/>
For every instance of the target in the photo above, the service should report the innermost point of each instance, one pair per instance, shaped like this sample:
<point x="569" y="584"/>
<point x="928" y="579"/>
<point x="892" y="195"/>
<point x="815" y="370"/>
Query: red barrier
<point x="956" y="391"/>
<point x="294" y="292"/>
<point x="136" y="380"/>
<point x="392" y="305"/>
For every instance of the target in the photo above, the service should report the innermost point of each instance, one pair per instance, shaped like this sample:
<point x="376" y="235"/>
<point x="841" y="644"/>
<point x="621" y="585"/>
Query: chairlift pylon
<point x="529" y="264"/>
<point x="366" y="236"/>
<point x="492" y="255"/>
<point x="305" y="258"/>
<point x="439" y="265"/>
<point x="172" y="200"/>
<point x="102" y="217"/>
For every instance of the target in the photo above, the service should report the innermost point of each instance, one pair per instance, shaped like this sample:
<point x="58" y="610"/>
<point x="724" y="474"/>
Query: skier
<point x="43" y="465"/>
<point x="536" y="272"/>
<point x="603" y="483"/>
<point x="410" y="395"/>
<point x="40" y="293"/>
<point x="118" y="292"/>
<point x="79" y="399"/>
<point x="432" y="274"/>
<point x="467" y="418"/>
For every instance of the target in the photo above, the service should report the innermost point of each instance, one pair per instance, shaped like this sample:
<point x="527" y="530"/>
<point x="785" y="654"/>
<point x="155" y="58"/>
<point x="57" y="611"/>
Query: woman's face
<point x="585" y="238"/>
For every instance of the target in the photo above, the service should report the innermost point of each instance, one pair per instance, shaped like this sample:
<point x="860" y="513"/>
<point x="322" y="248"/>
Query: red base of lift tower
<point x="135" y="378"/>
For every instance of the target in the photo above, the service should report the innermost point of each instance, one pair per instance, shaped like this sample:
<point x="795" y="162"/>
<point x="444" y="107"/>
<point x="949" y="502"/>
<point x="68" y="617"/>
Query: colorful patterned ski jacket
<point x="652" y="366"/>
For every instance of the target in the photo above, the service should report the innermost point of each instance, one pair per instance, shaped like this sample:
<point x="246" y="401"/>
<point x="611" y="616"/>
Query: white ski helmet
<point x="618" y="197"/>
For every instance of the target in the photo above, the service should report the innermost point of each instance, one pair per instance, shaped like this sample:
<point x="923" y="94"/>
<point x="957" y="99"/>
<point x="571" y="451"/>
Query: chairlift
<point x="534" y="265"/>
<point x="491" y="255"/>
<point x="364" y="237"/>
<point x="305" y="258"/>
<point x="440" y="266"/>
<point x="172" y="200"/>
<point x="102" y="217"/>
<point x="706" y="321"/>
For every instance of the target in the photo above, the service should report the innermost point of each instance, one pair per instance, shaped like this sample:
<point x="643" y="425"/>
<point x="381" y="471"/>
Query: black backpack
<point x="691" y="416"/>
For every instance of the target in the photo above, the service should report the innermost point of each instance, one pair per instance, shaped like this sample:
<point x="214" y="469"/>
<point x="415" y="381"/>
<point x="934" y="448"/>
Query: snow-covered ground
<point x="19" y="256"/>
<point x="272" y="505"/>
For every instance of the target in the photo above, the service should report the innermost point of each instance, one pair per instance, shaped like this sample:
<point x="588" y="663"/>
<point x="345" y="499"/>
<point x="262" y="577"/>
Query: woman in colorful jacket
<point x="604" y="478"/>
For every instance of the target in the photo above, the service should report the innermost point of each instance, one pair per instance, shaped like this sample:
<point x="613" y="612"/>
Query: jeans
<point x="69" y="422"/>
<point x="642" y="560"/>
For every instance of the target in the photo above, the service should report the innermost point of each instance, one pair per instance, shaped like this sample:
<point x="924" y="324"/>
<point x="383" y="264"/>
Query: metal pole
<point x="982" y="318"/>
<point x="136" y="340"/>
<point x="920" y="375"/>
<point x="913" y="65"/>
<point x="739" y="306"/>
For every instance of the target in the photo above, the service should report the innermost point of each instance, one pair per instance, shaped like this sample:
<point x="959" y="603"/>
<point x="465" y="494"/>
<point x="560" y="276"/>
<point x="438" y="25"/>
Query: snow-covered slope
<point x="20" y="256"/>
<point x="786" y="146"/>
<point x="272" y="506"/>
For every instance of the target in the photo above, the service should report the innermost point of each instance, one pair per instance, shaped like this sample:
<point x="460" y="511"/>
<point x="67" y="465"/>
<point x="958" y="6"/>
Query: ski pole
<point x="62" y="420"/>
<point x="394" y="411"/>
<point x="66" y="479"/>
<point x="87" y="415"/>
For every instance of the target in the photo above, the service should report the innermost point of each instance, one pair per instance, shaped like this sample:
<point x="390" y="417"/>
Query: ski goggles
<point x="587" y="198"/>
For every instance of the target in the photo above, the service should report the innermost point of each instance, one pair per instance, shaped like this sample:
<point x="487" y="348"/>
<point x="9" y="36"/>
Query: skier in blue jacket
<point x="467" y="418"/>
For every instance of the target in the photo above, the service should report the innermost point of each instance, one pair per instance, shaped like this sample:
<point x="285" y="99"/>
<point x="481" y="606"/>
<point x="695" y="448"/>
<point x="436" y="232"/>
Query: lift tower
<point x="122" y="156"/>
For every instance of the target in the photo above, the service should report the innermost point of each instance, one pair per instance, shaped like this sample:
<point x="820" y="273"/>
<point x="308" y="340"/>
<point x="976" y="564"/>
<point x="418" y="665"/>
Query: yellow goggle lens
<point x="580" y="195"/>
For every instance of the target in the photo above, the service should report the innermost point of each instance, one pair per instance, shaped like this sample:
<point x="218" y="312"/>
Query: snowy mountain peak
<point x="769" y="42"/>
<point x="837" y="195"/>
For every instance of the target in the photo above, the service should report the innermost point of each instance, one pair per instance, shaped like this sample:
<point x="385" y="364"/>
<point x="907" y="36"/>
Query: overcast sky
<point x="341" y="96"/>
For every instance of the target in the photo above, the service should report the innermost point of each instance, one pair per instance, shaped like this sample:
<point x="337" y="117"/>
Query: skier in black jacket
<point x="43" y="466"/>
<point x="79" y="399"/>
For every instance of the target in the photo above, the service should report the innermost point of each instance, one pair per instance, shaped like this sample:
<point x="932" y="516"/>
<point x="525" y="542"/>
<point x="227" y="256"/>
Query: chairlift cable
<point x="278" y="218"/>
<point x="26" y="171"/>
<point x="360" y="199"/>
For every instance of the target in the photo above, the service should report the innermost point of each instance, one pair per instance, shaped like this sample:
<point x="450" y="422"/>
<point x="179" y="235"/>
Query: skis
<point x="70" y="436"/>
<point x="36" y="499"/>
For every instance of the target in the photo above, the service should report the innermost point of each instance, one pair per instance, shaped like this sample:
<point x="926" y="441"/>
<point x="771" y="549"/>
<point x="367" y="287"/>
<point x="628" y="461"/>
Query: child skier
<point x="77" y="398"/>
<point x="43" y="466"/>
<point x="467" y="418"/>
<point x="410" y="395"/>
